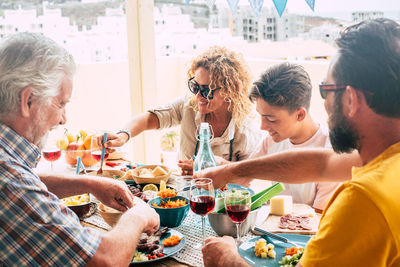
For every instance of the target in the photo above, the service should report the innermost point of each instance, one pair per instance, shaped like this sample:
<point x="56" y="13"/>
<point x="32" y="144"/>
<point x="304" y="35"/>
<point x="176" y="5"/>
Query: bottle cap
<point x="204" y="125"/>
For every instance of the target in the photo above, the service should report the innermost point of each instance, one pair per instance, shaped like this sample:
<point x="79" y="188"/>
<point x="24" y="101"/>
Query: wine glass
<point x="202" y="199"/>
<point x="51" y="151"/>
<point x="95" y="149"/>
<point x="51" y="154"/>
<point x="237" y="205"/>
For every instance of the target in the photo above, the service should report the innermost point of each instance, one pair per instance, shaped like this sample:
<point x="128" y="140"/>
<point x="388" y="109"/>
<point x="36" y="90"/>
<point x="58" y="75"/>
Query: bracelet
<point x="127" y="132"/>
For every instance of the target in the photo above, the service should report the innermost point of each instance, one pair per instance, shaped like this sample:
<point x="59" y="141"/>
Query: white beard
<point x="36" y="129"/>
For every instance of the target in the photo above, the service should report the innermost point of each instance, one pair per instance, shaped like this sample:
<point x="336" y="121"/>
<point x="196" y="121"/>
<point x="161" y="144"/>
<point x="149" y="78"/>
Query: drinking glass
<point x="202" y="199"/>
<point x="95" y="149"/>
<point x="237" y="205"/>
<point x="51" y="152"/>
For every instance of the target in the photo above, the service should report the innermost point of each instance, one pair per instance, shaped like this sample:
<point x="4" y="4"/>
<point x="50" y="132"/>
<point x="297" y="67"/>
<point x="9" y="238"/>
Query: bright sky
<point x="332" y="6"/>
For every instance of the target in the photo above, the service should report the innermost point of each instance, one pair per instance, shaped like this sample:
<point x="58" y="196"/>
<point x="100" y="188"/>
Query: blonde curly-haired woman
<point x="219" y="81"/>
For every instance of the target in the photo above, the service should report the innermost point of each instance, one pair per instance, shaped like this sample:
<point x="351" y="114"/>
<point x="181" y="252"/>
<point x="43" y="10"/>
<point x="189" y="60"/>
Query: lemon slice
<point x="163" y="186"/>
<point x="150" y="187"/>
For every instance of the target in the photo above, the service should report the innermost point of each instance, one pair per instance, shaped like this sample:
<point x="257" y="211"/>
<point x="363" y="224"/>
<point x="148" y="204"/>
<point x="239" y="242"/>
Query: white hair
<point x="28" y="59"/>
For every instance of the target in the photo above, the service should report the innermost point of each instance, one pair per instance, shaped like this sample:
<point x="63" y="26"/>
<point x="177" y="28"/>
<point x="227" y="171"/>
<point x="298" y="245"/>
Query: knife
<point x="274" y="236"/>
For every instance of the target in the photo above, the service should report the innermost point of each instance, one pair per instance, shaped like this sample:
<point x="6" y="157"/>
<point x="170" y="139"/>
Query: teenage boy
<point x="282" y="95"/>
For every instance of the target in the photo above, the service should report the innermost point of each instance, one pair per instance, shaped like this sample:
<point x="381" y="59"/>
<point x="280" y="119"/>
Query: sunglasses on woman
<point x="205" y="91"/>
<point x="324" y="88"/>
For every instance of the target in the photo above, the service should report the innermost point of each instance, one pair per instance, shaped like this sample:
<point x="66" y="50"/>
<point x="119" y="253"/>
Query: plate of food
<point x="146" y="191"/>
<point x="162" y="244"/>
<point x="261" y="251"/>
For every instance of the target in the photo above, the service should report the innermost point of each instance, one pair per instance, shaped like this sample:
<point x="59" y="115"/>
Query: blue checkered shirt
<point x="36" y="228"/>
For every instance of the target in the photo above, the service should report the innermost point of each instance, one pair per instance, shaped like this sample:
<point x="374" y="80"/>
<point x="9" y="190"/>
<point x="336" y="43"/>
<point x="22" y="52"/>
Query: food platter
<point x="271" y="224"/>
<point x="246" y="250"/>
<point x="167" y="251"/>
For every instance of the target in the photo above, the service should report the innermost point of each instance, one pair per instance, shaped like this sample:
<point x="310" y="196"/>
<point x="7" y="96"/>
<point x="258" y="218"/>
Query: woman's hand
<point x="113" y="140"/>
<point x="186" y="166"/>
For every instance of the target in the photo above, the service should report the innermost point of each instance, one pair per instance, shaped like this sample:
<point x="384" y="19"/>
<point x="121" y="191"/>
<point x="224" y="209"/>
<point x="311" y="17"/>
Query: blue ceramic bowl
<point x="170" y="217"/>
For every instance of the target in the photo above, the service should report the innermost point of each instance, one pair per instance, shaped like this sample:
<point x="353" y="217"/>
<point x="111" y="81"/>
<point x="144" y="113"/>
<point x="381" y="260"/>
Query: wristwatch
<point x="127" y="132"/>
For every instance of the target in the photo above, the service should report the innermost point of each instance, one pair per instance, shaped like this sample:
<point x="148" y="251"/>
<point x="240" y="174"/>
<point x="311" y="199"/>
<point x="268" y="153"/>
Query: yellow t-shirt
<point x="361" y="223"/>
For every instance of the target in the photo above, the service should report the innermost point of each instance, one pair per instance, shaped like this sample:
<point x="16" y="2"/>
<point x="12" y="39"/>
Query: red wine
<point x="202" y="205"/>
<point x="97" y="155"/>
<point x="52" y="154"/>
<point x="238" y="213"/>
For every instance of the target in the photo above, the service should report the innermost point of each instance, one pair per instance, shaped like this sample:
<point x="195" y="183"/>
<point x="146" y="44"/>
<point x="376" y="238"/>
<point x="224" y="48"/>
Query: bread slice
<point x="159" y="171"/>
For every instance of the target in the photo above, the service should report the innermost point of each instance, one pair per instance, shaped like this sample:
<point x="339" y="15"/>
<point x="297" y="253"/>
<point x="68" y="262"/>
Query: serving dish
<point x="246" y="249"/>
<point x="83" y="210"/>
<point x="171" y="217"/>
<point x="223" y="225"/>
<point x="140" y="179"/>
<point x="167" y="251"/>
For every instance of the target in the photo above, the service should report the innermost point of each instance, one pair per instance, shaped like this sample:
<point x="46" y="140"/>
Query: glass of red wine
<point x="95" y="150"/>
<point x="51" y="154"/>
<point x="237" y="205"/>
<point x="202" y="199"/>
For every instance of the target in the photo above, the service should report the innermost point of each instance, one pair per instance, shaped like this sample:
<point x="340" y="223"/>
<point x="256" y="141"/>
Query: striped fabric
<point x="36" y="229"/>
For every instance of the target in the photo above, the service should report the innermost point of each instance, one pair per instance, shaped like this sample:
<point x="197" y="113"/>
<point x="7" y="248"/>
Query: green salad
<point x="290" y="261"/>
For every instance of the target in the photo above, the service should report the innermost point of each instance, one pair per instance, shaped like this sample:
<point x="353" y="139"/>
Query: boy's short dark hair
<point x="285" y="85"/>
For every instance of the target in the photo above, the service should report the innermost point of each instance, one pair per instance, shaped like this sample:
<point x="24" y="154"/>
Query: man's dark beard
<point x="343" y="136"/>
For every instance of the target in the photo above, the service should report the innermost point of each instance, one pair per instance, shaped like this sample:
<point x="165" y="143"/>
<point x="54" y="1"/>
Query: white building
<point x="364" y="15"/>
<point x="105" y="41"/>
<point x="175" y="33"/>
<point x="326" y="32"/>
<point x="268" y="26"/>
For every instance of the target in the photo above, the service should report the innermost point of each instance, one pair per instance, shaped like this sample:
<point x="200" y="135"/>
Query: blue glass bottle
<point x="205" y="157"/>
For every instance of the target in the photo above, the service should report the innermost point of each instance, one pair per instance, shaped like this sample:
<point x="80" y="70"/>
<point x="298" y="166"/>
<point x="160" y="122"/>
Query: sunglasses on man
<point x="205" y="91"/>
<point x="324" y="88"/>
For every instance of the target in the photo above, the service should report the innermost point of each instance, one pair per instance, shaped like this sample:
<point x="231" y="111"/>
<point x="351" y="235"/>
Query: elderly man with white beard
<point x="36" y="228"/>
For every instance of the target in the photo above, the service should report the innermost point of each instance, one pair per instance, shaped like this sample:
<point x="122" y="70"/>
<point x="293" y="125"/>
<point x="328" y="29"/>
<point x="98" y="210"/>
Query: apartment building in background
<point x="359" y="16"/>
<point x="267" y="26"/>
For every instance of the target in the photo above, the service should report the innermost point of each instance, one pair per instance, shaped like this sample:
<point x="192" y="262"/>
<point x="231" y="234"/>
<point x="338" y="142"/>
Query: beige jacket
<point x="246" y="137"/>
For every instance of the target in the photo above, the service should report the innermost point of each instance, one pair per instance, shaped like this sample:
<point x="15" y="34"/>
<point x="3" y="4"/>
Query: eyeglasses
<point x="205" y="91"/>
<point x="324" y="88"/>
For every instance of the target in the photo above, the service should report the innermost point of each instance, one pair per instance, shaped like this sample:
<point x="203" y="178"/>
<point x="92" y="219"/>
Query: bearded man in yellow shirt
<point x="361" y="224"/>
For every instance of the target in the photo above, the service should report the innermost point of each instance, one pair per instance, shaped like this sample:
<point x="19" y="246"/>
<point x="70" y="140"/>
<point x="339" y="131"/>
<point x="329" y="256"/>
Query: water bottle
<point x="205" y="157"/>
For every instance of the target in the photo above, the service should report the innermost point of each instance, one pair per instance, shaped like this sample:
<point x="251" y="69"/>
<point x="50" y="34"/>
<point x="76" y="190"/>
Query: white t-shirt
<point x="316" y="195"/>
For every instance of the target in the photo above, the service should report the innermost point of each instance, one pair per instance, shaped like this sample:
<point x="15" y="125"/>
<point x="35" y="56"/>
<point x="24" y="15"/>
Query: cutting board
<point x="271" y="224"/>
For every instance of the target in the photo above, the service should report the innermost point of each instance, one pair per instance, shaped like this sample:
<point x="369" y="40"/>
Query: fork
<point x="274" y="236"/>
<point x="103" y="152"/>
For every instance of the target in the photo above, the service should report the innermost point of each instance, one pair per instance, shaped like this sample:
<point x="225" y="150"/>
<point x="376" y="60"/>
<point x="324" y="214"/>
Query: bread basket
<point x="150" y="180"/>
